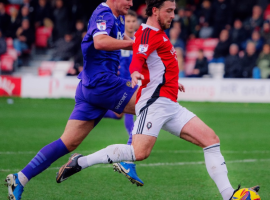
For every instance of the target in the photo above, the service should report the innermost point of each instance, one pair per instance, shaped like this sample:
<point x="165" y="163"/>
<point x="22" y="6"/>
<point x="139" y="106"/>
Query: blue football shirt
<point x="125" y="60"/>
<point x="95" y="61"/>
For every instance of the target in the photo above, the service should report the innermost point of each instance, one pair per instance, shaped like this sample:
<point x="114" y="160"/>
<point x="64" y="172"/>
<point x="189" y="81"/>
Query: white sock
<point x="111" y="154"/>
<point x="226" y="194"/>
<point x="216" y="167"/>
<point x="22" y="178"/>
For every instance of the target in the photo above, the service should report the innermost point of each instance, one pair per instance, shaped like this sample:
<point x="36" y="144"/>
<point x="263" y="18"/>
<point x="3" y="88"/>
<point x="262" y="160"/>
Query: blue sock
<point x="45" y="157"/>
<point x="129" y="123"/>
<point x="111" y="114"/>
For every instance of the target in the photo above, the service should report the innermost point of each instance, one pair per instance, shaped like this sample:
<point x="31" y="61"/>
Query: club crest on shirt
<point x="122" y="20"/>
<point x="149" y="125"/>
<point x="128" y="83"/>
<point x="101" y="25"/>
<point x="143" y="48"/>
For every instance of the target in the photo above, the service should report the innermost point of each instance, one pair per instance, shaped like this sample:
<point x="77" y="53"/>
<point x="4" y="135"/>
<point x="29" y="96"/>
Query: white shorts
<point x="162" y="114"/>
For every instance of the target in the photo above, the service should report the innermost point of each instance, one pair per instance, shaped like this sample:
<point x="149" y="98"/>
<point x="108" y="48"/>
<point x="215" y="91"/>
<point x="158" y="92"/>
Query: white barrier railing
<point x="197" y="89"/>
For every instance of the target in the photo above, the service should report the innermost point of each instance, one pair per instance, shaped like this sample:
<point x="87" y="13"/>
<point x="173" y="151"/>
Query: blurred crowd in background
<point x="240" y="28"/>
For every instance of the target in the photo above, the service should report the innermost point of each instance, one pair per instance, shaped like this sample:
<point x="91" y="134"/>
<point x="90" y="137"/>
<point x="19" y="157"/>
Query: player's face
<point x="122" y="6"/>
<point x="166" y="14"/>
<point x="130" y="23"/>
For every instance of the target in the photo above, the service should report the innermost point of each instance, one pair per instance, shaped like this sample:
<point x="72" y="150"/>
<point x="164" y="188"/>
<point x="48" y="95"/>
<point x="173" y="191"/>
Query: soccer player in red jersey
<point x="155" y="63"/>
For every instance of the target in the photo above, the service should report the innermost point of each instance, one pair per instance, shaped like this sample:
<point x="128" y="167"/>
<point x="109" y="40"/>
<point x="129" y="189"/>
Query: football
<point x="246" y="194"/>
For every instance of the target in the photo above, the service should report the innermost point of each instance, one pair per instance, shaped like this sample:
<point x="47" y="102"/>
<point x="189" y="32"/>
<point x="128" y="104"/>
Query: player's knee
<point x="72" y="146"/>
<point x="216" y="139"/>
<point x="141" y="156"/>
<point x="213" y="138"/>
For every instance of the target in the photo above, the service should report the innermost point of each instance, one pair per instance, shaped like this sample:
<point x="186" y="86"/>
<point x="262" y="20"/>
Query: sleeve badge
<point x="143" y="48"/>
<point x="101" y="25"/>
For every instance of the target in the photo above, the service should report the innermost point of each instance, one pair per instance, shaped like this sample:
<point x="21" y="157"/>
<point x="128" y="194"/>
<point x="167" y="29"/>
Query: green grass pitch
<point x="174" y="170"/>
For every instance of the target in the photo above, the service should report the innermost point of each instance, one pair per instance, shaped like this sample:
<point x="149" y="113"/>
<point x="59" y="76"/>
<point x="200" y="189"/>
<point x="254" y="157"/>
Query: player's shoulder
<point x="147" y="32"/>
<point x="102" y="12"/>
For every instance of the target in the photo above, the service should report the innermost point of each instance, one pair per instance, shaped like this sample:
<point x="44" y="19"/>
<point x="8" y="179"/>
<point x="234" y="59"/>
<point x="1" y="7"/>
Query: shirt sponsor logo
<point x="101" y="25"/>
<point x="143" y="48"/>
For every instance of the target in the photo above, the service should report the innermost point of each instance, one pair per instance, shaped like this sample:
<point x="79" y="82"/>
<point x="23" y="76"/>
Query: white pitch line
<point x="154" y="151"/>
<point x="158" y="164"/>
<point x="201" y="151"/>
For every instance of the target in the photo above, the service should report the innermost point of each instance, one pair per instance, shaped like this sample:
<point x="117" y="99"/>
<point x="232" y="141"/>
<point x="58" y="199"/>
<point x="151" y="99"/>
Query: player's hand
<point x="181" y="87"/>
<point x="127" y="38"/>
<point x="135" y="77"/>
<point x="131" y="42"/>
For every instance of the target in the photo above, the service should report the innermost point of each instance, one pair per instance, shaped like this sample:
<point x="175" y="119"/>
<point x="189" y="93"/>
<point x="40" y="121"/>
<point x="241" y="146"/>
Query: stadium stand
<point x="192" y="47"/>
<point x="191" y="22"/>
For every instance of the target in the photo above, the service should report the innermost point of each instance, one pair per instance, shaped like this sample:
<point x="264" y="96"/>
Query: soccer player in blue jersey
<point x="99" y="90"/>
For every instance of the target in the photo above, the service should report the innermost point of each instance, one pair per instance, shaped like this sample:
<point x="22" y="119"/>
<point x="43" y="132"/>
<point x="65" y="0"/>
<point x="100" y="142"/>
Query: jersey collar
<point x="106" y="5"/>
<point x="148" y="26"/>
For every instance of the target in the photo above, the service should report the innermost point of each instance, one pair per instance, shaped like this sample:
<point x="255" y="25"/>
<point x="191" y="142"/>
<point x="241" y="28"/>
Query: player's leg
<point x="197" y="132"/>
<point x="122" y="167"/>
<point x="119" y="97"/>
<point x="128" y="107"/>
<point x="190" y="128"/>
<point x="145" y="132"/>
<point x="73" y="135"/>
<point x="77" y="128"/>
<point x="112" y="115"/>
<point x="129" y="124"/>
<point x="141" y="146"/>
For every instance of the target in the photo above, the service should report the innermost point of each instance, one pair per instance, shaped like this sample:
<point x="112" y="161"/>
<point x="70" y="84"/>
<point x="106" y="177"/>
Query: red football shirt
<point x="154" y="57"/>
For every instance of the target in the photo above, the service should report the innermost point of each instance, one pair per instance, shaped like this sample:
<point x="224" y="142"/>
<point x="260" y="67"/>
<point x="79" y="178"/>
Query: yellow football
<point x="246" y="194"/>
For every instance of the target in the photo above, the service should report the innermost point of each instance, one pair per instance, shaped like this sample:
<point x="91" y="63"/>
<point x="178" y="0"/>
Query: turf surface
<point x="174" y="170"/>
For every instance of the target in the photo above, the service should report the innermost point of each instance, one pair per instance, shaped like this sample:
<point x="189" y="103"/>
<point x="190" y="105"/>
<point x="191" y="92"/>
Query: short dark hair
<point x="132" y="13"/>
<point x="154" y="3"/>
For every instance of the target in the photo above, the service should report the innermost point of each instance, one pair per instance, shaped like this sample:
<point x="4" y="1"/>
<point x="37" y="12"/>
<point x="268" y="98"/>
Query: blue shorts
<point x="109" y="93"/>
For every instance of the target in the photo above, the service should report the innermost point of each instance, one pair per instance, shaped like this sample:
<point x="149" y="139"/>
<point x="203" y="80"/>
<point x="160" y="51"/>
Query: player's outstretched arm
<point x="181" y="87"/>
<point x="107" y="43"/>
<point x="135" y="77"/>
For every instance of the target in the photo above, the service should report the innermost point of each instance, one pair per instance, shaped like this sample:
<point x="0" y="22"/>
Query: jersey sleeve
<point x="142" y="48"/>
<point x="102" y="24"/>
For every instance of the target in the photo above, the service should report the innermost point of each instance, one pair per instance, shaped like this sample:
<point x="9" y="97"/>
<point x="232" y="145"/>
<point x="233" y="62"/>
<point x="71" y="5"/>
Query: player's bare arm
<point x="107" y="43"/>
